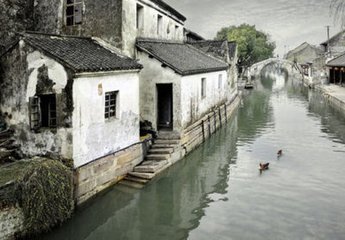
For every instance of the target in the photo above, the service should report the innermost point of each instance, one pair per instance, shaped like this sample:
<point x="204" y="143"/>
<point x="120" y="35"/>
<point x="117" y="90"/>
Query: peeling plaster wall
<point x="193" y="105"/>
<point x="153" y="73"/>
<point x="93" y="135"/>
<point x="21" y="72"/>
<point x="149" y="28"/>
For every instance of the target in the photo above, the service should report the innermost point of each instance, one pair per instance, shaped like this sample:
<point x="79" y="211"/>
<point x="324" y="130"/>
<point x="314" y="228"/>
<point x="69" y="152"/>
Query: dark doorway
<point x="165" y="106"/>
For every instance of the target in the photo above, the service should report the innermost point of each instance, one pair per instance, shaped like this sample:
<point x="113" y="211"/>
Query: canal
<point x="217" y="191"/>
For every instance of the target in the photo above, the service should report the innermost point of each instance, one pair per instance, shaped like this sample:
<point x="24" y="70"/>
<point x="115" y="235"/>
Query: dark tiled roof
<point x="337" y="62"/>
<point x="182" y="58"/>
<point x="215" y="48"/>
<point x="192" y="36"/>
<point x="333" y="37"/>
<point x="80" y="54"/>
<point x="168" y="8"/>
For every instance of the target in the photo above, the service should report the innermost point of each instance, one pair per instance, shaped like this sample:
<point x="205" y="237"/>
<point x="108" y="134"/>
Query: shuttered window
<point x="74" y="12"/>
<point x="43" y="111"/>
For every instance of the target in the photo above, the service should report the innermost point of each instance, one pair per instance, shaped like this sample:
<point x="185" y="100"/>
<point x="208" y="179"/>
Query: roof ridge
<point x="157" y="40"/>
<point x="52" y="35"/>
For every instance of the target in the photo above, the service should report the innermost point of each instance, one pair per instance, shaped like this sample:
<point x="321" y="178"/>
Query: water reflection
<point x="216" y="192"/>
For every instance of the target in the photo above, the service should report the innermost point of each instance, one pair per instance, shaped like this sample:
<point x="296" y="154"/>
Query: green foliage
<point x="44" y="193"/>
<point x="253" y="45"/>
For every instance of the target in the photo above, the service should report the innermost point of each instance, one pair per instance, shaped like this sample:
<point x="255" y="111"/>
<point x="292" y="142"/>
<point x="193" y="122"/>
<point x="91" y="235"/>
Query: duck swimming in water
<point x="279" y="153"/>
<point x="263" y="166"/>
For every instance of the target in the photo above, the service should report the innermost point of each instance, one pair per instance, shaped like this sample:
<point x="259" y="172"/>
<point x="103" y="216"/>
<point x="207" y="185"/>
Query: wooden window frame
<point x="110" y="104"/>
<point x="73" y="8"/>
<point x="36" y="114"/>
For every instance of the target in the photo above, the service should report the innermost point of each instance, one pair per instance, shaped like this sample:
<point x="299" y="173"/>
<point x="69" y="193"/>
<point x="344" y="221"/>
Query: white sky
<point x="289" y="22"/>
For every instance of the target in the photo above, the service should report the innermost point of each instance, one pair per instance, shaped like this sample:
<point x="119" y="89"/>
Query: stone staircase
<point x="157" y="160"/>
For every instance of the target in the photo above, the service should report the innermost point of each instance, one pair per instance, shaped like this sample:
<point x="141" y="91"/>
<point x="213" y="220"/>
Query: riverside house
<point x="72" y="89"/>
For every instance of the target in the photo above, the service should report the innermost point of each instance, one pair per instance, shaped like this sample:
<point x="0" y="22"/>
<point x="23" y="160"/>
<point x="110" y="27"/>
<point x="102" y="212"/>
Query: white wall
<point x="149" y="29"/>
<point x="93" y="135"/>
<point x="193" y="105"/>
<point x="150" y="75"/>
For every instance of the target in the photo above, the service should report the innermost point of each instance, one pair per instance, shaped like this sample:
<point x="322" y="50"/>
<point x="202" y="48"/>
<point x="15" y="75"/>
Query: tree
<point x="337" y="8"/>
<point x="253" y="45"/>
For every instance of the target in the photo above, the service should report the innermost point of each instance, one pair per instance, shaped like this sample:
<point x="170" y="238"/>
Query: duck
<point x="263" y="166"/>
<point x="280" y="152"/>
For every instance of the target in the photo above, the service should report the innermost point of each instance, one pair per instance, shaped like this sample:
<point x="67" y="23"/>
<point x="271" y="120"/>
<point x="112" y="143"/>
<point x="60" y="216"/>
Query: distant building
<point x="335" y="46"/>
<point x="304" y="53"/>
<point x="191" y="36"/>
<point x="336" y="69"/>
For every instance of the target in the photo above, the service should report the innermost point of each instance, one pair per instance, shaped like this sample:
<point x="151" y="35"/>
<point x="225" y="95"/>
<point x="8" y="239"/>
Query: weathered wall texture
<point x="93" y="135"/>
<point x="153" y="73"/>
<point x="48" y="16"/>
<point x="171" y="28"/>
<point x="102" y="173"/>
<point x="193" y="105"/>
<point x="11" y="222"/>
<point x="15" y="16"/>
<point x="23" y="71"/>
<point x="100" y="19"/>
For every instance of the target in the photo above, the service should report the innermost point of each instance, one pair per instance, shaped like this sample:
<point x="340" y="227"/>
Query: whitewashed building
<point x="72" y="98"/>
<point x="179" y="84"/>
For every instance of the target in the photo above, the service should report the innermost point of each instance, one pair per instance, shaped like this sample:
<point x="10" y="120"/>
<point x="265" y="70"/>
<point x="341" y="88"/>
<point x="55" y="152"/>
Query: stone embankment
<point x="165" y="150"/>
<point x="334" y="94"/>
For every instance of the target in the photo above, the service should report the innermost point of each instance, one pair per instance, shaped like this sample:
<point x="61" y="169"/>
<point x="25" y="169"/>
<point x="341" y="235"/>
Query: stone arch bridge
<point x="274" y="64"/>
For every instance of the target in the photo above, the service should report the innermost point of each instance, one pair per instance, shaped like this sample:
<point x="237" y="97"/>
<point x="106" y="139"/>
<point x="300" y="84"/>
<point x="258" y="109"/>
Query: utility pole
<point x="328" y="48"/>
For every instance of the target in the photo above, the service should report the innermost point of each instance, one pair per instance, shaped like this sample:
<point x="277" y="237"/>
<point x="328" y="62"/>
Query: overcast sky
<point x="289" y="22"/>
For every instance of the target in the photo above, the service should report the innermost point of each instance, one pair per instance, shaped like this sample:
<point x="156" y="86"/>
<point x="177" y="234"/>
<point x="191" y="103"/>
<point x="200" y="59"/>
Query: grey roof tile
<point x="80" y="54"/>
<point x="182" y="58"/>
<point x="337" y="62"/>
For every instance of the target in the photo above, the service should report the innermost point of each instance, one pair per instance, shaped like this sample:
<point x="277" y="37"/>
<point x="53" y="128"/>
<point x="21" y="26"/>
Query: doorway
<point x="165" y="106"/>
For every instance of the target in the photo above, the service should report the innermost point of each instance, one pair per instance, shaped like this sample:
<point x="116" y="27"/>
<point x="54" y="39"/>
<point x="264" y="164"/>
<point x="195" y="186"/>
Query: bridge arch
<point x="290" y="67"/>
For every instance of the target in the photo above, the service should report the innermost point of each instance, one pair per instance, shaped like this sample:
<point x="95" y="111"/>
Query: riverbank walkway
<point x="334" y="93"/>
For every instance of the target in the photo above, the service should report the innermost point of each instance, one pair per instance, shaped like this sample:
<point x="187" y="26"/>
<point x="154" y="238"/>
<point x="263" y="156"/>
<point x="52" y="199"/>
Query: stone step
<point x="154" y="146"/>
<point x="150" y="166"/>
<point x="131" y="184"/>
<point x="166" y="141"/>
<point x="147" y="176"/>
<point x="161" y="150"/>
<point x="157" y="157"/>
<point x="136" y="179"/>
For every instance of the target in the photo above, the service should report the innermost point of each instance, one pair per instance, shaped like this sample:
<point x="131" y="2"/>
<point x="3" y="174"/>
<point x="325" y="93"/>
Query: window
<point x="159" y="25"/>
<point x="110" y="104"/>
<point x="203" y="87"/>
<point x="220" y="81"/>
<point x="74" y="10"/>
<point x="140" y="16"/>
<point x="43" y="111"/>
<point x="176" y="31"/>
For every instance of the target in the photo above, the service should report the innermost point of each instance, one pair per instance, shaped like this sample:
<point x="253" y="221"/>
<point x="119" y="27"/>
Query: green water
<point x="217" y="191"/>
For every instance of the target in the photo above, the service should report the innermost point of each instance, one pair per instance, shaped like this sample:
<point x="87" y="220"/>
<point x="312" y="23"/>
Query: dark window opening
<point x="43" y="111"/>
<point x="110" y="104"/>
<point x="74" y="10"/>
<point x="159" y="25"/>
<point x="203" y="87"/>
<point x="140" y="16"/>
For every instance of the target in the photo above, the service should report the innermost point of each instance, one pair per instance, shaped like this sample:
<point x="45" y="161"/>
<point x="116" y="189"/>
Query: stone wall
<point x="11" y="222"/>
<point x="197" y="133"/>
<point x="104" y="172"/>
